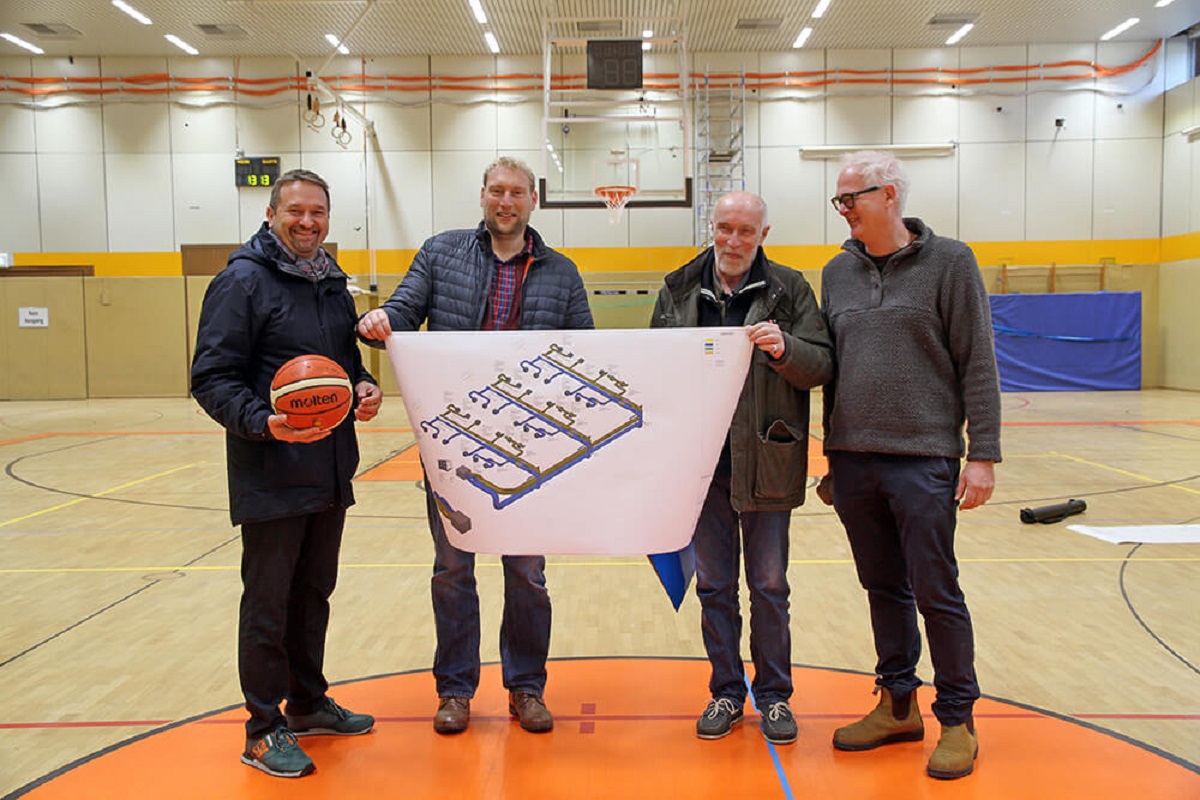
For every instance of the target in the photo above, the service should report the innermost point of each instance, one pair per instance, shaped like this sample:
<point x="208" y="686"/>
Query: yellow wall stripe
<point x="658" y="260"/>
<point x="1181" y="248"/>
<point x="108" y="264"/>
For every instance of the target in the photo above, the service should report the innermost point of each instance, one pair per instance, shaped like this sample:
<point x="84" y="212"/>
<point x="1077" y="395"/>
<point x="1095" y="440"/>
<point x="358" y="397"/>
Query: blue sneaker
<point x="279" y="754"/>
<point x="331" y="720"/>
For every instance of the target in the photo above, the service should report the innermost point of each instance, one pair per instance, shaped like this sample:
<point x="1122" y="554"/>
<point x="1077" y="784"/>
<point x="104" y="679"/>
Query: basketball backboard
<point x="624" y="134"/>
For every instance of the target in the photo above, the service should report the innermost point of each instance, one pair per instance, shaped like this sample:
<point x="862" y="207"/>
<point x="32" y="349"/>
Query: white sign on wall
<point x="570" y="441"/>
<point x="33" y="317"/>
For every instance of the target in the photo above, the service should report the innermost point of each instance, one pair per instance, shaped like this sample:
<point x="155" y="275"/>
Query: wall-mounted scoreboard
<point x="256" y="172"/>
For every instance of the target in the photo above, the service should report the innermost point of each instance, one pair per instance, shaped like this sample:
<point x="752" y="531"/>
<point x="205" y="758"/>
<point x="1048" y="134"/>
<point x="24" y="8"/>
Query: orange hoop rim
<point x="615" y="196"/>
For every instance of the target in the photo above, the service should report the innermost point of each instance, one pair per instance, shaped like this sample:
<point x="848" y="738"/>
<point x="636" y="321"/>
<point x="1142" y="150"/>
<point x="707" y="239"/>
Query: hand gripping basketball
<point x="312" y="391"/>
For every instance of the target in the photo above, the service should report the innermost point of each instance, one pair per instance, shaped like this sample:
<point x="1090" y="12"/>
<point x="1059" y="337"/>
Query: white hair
<point x="879" y="169"/>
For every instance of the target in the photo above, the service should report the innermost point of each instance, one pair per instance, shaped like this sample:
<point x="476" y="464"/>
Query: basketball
<point x="312" y="390"/>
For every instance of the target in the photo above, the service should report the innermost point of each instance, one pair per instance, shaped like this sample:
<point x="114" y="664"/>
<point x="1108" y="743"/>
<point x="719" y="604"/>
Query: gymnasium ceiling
<point x="296" y="28"/>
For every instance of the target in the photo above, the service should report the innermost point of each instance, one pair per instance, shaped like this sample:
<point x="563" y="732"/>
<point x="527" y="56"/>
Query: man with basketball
<point x="281" y="296"/>
<point x="499" y="276"/>
<point x="912" y="333"/>
<point x="761" y="473"/>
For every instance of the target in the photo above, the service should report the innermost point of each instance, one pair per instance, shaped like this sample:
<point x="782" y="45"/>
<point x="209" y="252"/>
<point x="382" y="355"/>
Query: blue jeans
<point x="524" y="629"/>
<point x="764" y="537"/>
<point x="289" y="569"/>
<point x="899" y="513"/>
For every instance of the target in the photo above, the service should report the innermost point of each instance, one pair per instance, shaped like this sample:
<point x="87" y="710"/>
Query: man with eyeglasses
<point x="761" y="473"/>
<point x="912" y="333"/>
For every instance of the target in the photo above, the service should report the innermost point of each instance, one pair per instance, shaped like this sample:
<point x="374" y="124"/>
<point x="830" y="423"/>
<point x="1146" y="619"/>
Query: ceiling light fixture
<point x="333" y="40"/>
<point x="820" y="10"/>
<point x="477" y="9"/>
<point x="181" y="44"/>
<point x="131" y="11"/>
<point x="492" y="44"/>
<point x="1163" y="3"/>
<point x="19" y="42"/>
<point x="1117" y="31"/>
<point x="958" y="35"/>
<point x="802" y="38"/>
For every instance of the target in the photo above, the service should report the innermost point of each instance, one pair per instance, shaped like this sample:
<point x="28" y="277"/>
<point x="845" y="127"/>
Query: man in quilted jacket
<point x="499" y="276"/>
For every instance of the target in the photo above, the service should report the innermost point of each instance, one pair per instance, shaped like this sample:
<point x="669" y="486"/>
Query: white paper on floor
<point x="1146" y="534"/>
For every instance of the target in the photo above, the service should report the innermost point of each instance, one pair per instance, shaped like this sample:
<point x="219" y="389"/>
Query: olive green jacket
<point x="769" y="430"/>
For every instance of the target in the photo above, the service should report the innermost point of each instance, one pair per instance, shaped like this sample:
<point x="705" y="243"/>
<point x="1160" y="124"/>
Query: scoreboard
<point x="256" y="172"/>
<point x="614" y="64"/>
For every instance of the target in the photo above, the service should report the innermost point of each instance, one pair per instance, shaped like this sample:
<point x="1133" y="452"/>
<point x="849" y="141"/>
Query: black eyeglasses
<point x="847" y="200"/>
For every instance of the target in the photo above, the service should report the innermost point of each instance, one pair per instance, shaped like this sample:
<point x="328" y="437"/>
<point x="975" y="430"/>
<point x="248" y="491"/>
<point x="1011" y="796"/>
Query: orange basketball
<point x="312" y="390"/>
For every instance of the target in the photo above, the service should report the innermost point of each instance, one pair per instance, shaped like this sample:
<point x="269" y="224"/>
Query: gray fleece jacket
<point x="915" y="360"/>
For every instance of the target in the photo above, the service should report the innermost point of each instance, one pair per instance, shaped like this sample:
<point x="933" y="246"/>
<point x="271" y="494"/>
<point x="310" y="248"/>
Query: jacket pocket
<point x="780" y="462"/>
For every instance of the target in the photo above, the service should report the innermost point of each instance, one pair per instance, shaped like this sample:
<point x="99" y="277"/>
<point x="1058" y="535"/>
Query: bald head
<point x="743" y="200"/>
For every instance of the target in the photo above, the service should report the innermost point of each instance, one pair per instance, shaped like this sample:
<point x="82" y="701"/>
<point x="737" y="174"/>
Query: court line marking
<point x="1126" y="423"/>
<point x="638" y="564"/>
<point x="772" y="750"/>
<point x="1122" y="423"/>
<point x="1126" y="473"/>
<point x="99" y="494"/>
<point x="50" y="434"/>
<point x="424" y="719"/>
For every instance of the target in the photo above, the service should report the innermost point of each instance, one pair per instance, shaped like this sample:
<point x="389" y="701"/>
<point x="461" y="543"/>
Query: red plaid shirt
<point x="504" y="302"/>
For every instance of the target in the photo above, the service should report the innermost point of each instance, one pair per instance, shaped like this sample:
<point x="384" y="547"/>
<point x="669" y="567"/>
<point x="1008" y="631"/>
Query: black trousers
<point x="289" y="570"/>
<point x="900" y="517"/>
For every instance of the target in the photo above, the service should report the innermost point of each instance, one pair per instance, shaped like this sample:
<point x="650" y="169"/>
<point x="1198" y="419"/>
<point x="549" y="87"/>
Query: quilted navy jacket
<point x="255" y="317"/>
<point x="451" y="277"/>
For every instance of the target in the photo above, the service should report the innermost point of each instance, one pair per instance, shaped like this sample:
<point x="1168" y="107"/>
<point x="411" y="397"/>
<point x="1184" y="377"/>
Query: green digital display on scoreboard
<point x="256" y="172"/>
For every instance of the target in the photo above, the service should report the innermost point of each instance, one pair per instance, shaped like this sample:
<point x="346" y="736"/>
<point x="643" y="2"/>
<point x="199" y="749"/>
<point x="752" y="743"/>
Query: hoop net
<point x="615" y="197"/>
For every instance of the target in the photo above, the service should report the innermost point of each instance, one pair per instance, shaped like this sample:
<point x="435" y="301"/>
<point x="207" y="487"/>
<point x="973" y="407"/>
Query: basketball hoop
<point x="615" y="197"/>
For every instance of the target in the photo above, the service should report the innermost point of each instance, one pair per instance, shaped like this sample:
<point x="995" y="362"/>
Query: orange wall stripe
<point x="529" y="82"/>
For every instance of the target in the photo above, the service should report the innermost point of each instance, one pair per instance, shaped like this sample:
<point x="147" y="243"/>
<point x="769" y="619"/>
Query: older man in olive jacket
<point x="762" y="471"/>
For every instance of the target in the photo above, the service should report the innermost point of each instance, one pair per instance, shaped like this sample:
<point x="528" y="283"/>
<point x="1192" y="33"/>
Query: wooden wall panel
<point x="136" y="337"/>
<point x="43" y="363"/>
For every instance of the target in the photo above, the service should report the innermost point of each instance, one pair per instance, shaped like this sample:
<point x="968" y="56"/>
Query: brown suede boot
<point x="895" y="719"/>
<point x="956" y="751"/>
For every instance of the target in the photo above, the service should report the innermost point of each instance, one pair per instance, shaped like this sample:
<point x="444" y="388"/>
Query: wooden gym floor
<point x="120" y="592"/>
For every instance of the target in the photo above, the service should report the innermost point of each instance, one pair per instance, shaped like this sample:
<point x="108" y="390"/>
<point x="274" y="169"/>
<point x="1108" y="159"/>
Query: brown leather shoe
<point x="453" y="714"/>
<point x="895" y="719"/>
<point x="956" y="751"/>
<point x="532" y="712"/>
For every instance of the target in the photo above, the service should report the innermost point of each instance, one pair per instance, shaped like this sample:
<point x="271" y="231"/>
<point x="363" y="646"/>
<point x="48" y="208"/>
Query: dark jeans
<point x="764" y="537"/>
<point x="899" y="513"/>
<point x="289" y="569"/>
<point x="524" y="629"/>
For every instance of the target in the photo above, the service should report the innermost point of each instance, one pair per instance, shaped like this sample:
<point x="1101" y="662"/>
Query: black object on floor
<point x="1055" y="513"/>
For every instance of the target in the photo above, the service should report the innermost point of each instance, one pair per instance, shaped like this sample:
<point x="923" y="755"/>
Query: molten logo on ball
<point x="312" y="390"/>
<point x="307" y="402"/>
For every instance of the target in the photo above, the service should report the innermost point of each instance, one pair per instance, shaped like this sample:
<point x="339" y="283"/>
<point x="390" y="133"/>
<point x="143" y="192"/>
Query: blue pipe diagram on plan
<point x="510" y="437"/>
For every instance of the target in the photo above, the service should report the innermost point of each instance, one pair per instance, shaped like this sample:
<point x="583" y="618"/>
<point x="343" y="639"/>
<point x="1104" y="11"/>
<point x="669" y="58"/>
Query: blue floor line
<point x="774" y="751"/>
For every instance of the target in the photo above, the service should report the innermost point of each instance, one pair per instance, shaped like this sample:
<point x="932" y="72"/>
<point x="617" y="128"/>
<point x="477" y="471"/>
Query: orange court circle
<point x="624" y="728"/>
